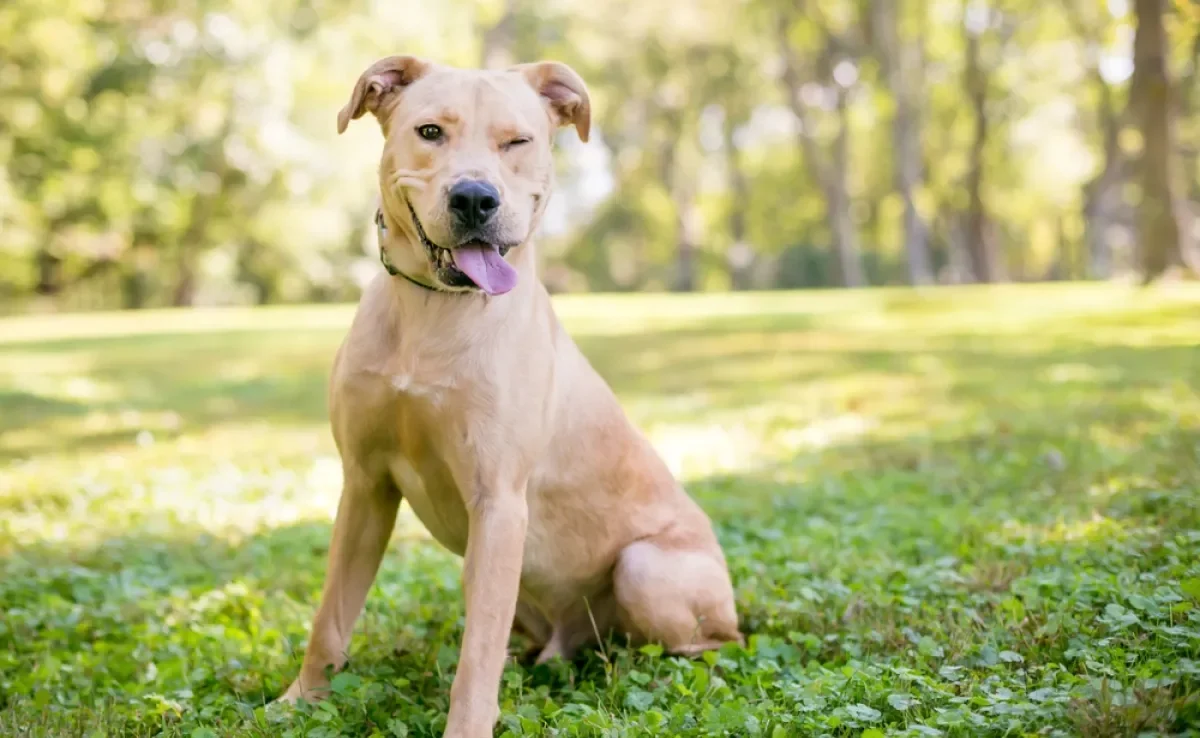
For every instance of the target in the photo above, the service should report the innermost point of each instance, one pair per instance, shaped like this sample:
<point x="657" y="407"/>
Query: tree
<point x="981" y="19"/>
<point x="741" y="255"/>
<point x="902" y="59"/>
<point x="835" y="65"/>
<point x="184" y="152"/>
<point x="1158" y="226"/>
<point x="1103" y="201"/>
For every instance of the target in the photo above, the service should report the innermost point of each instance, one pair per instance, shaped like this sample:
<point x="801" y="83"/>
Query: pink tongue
<point x="486" y="268"/>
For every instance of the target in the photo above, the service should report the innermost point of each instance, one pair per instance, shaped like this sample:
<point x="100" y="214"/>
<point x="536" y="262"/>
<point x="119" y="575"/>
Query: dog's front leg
<point x="365" y="518"/>
<point x="491" y="580"/>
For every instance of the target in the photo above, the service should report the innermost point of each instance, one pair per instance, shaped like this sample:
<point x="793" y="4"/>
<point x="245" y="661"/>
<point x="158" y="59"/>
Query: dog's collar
<point x="381" y="228"/>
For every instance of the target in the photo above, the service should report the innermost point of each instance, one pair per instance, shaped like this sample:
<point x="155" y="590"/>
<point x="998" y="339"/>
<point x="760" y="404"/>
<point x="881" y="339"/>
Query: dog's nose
<point x="474" y="202"/>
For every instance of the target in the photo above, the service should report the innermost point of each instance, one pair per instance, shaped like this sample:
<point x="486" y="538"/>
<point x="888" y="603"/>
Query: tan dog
<point x="458" y="390"/>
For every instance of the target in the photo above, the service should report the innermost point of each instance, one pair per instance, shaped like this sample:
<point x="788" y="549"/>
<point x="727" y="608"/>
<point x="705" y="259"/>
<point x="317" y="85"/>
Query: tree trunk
<point x="686" y="215"/>
<point x="1102" y="194"/>
<point x="184" y="294"/>
<point x="902" y="64"/>
<point x="979" y="252"/>
<point x="1158" y="228"/>
<point x="1189" y="159"/>
<point x="134" y="288"/>
<point x="958" y="261"/>
<point x="49" y="270"/>
<point x="741" y="257"/>
<point x="841" y="221"/>
<point x="136" y="270"/>
<point x="498" y="39"/>
<point x="830" y="177"/>
<point x="1189" y="106"/>
<point x="1101" y="197"/>
<point x="686" y="245"/>
<point x="908" y="178"/>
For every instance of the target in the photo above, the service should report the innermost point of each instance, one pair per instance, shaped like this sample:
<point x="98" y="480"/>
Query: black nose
<point x="473" y="202"/>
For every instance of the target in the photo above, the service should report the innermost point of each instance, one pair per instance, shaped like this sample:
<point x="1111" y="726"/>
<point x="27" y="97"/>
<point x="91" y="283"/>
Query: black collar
<point x="387" y="263"/>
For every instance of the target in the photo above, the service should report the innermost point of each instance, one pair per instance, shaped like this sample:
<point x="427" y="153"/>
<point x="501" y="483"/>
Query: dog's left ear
<point x="564" y="92"/>
<point x="378" y="85"/>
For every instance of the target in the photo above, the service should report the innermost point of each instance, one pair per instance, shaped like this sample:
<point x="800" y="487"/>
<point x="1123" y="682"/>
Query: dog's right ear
<point x="564" y="91"/>
<point x="378" y="85"/>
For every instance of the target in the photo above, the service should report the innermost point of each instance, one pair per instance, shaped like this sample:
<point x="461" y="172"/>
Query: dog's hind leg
<point x="530" y="623"/>
<point x="679" y="598"/>
<point x="365" y="518"/>
<point x="586" y="622"/>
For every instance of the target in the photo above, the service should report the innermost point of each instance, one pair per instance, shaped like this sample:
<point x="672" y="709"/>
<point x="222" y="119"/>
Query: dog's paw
<point x="313" y="693"/>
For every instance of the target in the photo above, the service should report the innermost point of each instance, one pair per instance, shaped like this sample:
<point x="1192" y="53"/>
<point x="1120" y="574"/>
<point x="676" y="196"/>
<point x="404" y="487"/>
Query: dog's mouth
<point x="473" y="264"/>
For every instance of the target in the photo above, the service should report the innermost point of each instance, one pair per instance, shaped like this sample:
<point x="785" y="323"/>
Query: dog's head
<point x="467" y="165"/>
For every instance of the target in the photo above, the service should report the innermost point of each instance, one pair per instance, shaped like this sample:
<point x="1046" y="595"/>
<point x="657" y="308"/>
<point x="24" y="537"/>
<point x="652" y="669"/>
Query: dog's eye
<point x="429" y="132"/>
<point x="518" y="141"/>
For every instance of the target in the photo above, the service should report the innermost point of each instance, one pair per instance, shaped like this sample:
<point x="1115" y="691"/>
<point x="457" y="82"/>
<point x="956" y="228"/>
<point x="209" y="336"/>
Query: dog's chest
<point x="452" y="424"/>
<point x="432" y="412"/>
<point x="422" y="402"/>
<point x="416" y="385"/>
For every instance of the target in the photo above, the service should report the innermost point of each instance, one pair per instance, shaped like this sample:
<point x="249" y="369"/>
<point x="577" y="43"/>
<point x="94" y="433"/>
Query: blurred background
<point x="969" y="510"/>
<point x="161" y="153"/>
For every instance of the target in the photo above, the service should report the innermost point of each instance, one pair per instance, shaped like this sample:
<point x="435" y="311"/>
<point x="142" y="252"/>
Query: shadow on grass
<point x="199" y="380"/>
<point x="207" y="379"/>
<point x="729" y="369"/>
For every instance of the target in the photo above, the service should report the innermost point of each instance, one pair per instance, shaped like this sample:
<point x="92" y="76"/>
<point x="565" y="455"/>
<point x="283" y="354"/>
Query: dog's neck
<point x="381" y="230"/>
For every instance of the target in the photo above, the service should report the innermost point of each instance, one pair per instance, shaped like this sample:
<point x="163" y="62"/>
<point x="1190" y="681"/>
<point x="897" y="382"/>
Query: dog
<point x="458" y="390"/>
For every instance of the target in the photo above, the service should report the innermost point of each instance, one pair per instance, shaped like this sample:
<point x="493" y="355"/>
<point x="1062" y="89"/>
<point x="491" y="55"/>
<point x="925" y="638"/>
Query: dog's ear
<point x="564" y="92"/>
<point x="380" y="83"/>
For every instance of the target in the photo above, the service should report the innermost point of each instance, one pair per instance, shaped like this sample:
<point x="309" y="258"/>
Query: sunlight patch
<point x="1064" y="373"/>
<point x="118" y="499"/>
<point x="1095" y="528"/>
<point x="827" y="432"/>
<point x="77" y="387"/>
<point x="67" y="432"/>
<point x="693" y="451"/>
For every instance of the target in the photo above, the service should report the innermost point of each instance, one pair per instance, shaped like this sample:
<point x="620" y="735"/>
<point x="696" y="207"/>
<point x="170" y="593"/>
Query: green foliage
<point x="966" y="512"/>
<point x="158" y="153"/>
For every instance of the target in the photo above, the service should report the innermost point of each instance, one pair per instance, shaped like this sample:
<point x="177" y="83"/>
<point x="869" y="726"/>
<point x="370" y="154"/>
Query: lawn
<point x="971" y="512"/>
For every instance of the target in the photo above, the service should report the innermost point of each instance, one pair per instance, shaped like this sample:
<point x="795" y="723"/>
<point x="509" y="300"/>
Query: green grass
<point x="966" y="513"/>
